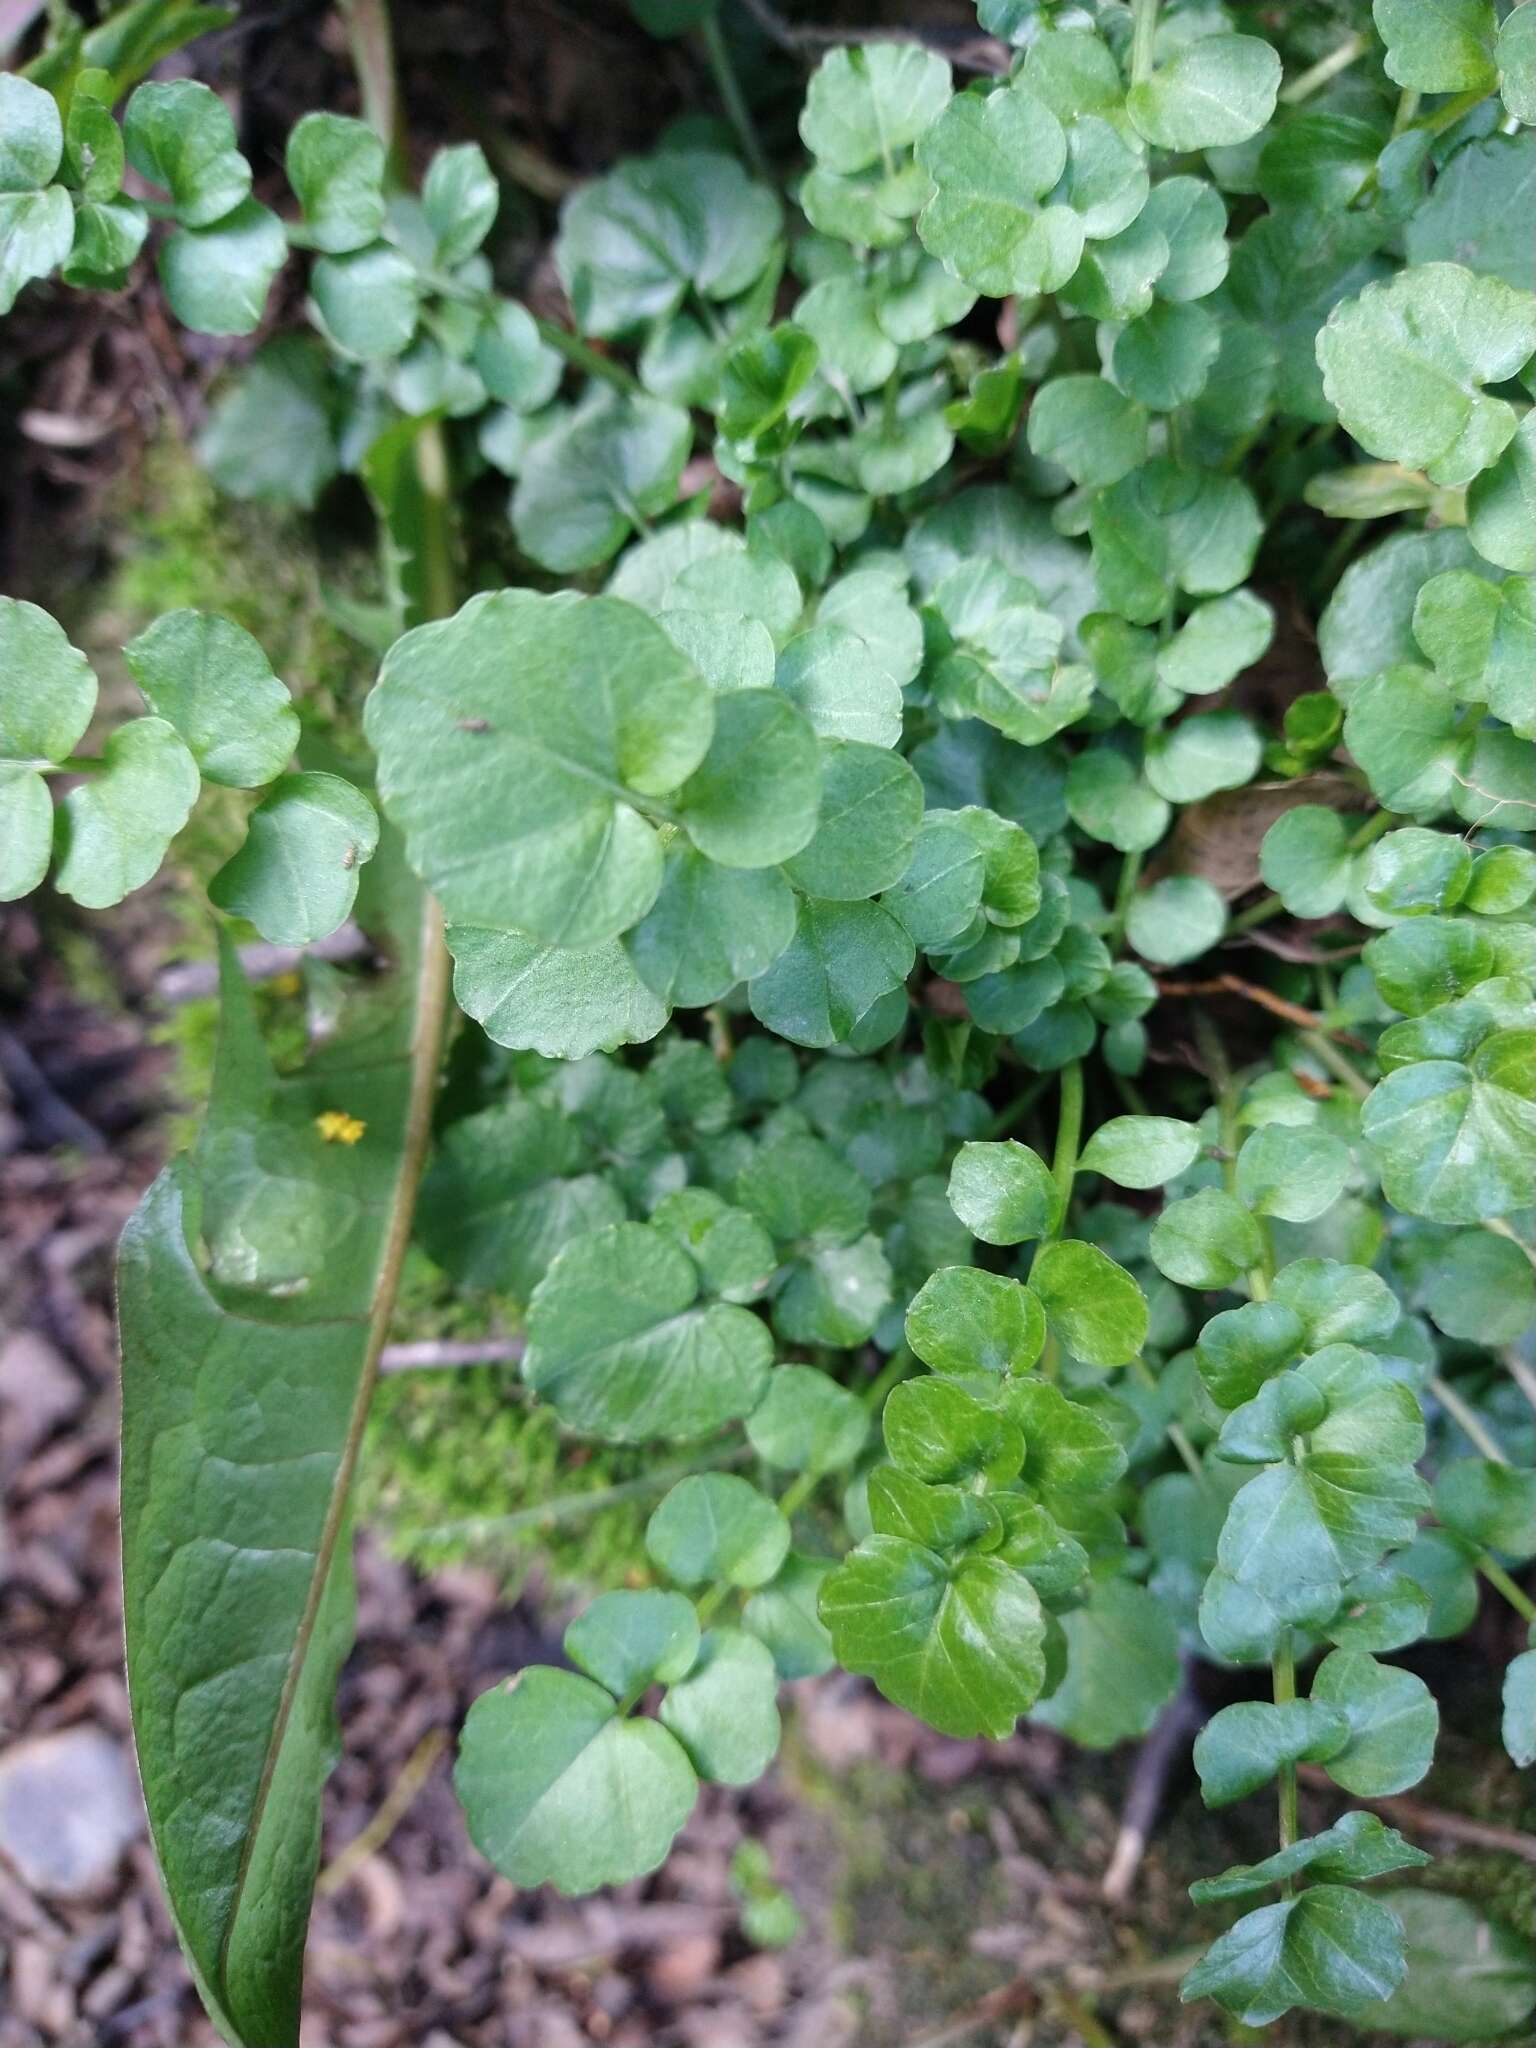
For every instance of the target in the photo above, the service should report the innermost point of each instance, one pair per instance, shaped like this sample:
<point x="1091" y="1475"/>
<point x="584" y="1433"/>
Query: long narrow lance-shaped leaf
<point x="256" y="1283"/>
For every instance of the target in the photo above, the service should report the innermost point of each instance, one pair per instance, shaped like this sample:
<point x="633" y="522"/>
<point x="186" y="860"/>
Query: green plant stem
<point x="1500" y="1228"/>
<point x="1175" y="1432"/>
<point x="1342" y="1068"/>
<point x="373" y="59"/>
<point x="896" y="1368"/>
<point x="1125" y="890"/>
<point x="728" y="85"/>
<point x="575" y="1507"/>
<point x="1010" y="1118"/>
<point x="1446" y="117"/>
<point x="1143" y="36"/>
<point x="1497" y="1577"/>
<point x="585" y="357"/>
<point x="1467" y="1420"/>
<point x="1256" y="913"/>
<point x="1522" y="1375"/>
<point x="1325" y="70"/>
<point x="1407" y="110"/>
<point x="1069" y="1137"/>
<point x="1284" y="1668"/>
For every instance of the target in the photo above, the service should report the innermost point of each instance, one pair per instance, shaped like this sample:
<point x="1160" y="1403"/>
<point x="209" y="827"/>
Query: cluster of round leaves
<point x="896" y="713"/>
<point x="216" y="714"/>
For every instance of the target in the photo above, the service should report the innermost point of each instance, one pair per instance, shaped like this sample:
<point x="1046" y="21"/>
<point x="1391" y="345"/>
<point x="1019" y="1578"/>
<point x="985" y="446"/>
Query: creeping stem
<point x="1069" y="1135"/>
<point x="1143" y="35"/>
<point x="1284" y="1666"/>
<point x="732" y="98"/>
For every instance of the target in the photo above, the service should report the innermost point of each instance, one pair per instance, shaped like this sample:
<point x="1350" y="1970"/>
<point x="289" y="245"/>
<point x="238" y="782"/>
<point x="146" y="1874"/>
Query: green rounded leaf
<point x="1003" y="1193"/>
<point x="335" y="165"/>
<point x="619" y="1345"/>
<point x="1176" y="920"/>
<point x="210" y="679"/>
<point x="561" y="1001"/>
<point x="633" y="244"/>
<point x="584" y="709"/>
<point x="944" y="1436"/>
<point x="295" y="878"/>
<point x="1096" y="433"/>
<point x="761" y="792"/>
<point x="587" y="484"/>
<point x="714" y="1525"/>
<point x="1393" y="1722"/>
<point x="1215" y="91"/>
<point x="1122" y="1667"/>
<point x="871" y="805"/>
<point x="31" y="135"/>
<point x="992" y="161"/>
<point x="504" y="1193"/>
<point x="558" y="1789"/>
<point x="725" y="1712"/>
<point x="806" y="1422"/>
<point x="1141" y="1151"/>
<point x="1405" y="363"/>
<point x="1470" y="1978"/>
<point x="866" y="102"/>
<point x="459" y="198"/>
<point x="37" y="232"/>
<point x="844" y="960"/>
<point x="1457" y="1142"/>
<point x="1491" y="1506"/>
<point x="710" y="928"/>
<point x="841" y="687"/>
<point x="112" y="831"/>
<point x="959" y="1643"/>
<point x="179" y="135"/>
<point x="217" y="278"/>
<point x="1294" y="1171"/>
<point x="1445" y="47"/>
<point x="1091" y="1303"/>
<point x="1330" y="1950"/>
<point x="26" y="830"/>
<point x="1501" y="505"/>
<point x="628" y="1640"/>
<point x="1200" y="755"/>
<point x="1207" y="1240"/>
<point x="1243" y="1747"/>
<point x="962" y="1320"/>
<point x="47" y="687"/>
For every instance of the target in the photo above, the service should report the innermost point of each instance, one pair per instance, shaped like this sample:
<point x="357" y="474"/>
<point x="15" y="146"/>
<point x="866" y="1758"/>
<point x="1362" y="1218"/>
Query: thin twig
<point x="433" y="1353"/>
<point x="191" y="980"/>
<point x="53" y="1120"/>
<point x="1254" y="992"/>
<point x="1165" y="1747"/>
<point x="414" y="1773"/>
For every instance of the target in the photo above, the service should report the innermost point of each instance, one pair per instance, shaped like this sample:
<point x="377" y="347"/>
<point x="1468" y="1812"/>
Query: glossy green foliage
<point x="1091" y="1214"/>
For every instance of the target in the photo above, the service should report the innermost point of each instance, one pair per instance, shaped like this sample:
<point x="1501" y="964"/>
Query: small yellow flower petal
<point x="337" y="1128"/>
